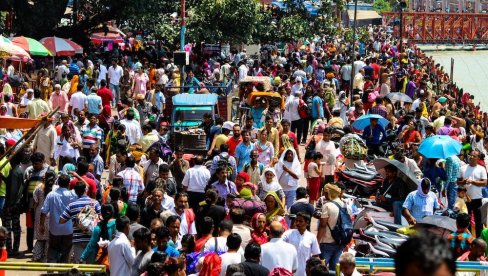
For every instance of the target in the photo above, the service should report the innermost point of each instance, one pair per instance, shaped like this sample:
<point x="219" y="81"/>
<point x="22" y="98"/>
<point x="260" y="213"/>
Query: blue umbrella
<point x="439" y="146"/>
<point x="364" y="121"/>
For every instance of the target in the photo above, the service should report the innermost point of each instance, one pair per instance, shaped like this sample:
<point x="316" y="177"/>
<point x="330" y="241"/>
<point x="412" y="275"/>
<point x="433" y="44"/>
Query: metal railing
<point x="226" y="88"/>
<point x="371" y="265"/>
<point x="51" y="267"/>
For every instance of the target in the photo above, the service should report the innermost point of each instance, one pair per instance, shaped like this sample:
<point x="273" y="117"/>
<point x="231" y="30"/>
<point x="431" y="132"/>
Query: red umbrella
<point x="58" y="46"/>
<point x="78" y="48"/>
<point x="109" y="37"/>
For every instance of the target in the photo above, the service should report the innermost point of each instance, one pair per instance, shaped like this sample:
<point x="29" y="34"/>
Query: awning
<point x="17" y="123"/>
<point x="363" y="15"/>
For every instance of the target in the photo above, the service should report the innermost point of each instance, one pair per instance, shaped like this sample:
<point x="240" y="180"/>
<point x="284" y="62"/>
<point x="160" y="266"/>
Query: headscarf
<point x="246" y="193"/>
<point x="258" y="236"/>
<point x="270" y="187"/>
<point x="420" y="192"/>
<point x="212" y="265"/>
<point x="7" y="90"/>
<point x="244" y="176"/>
<point x="67" y="168"/>
<point x="333" y="191"/>
<point x="74" y="85"/>
<point x="279" y="210"/>
<point x="294" y="167"/>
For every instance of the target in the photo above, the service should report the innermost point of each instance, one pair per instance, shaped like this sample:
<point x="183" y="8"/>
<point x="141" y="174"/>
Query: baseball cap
<point x="228" y="125"/>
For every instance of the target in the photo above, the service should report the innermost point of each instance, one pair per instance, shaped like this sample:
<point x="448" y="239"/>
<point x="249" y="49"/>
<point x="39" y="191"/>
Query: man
<point x="420" y="203"/>
<point x="45" y="141"/>
<point x="142" y="244"/>
<point x="232" y="256"/>
<point x="143" y="107"/>
<point x="60" y="235"/>
<point x="249" y="126"/>
<point x="234" y="140"/>
<point x="148" y="138"/>
<point x="105" y="93"/>
<point x="425" y="255"/>
<point x="251" y="266"/>
<point x="224" y="159"/>
<point x="162" y="237"/>
<point x="37" y="106"/>
<point x="80" y="239"/>
<point x="179" y="167"/>
<point x="120" y="255"/>
<point x="221" y="138"/>
<point x="461" y="239"/>
<point x="318" y="105"/>
<point x="374" y="135"/>
<point x="473" y="177"/>
<point x="132" y="180"/>
<point x="278" y="253"/>
<point x="446" y="129"/>
<point x="301" y="204"/>
<point x="158" y="203"/>
<point x="97" y="161"/>
<point x="345" y="73"/>
<point x="117" y="162"/>
<point x="237" y="216"/>
<point x="358" y="81"/>
<point x="133" y="213"/>
<point x="91" y="134"/>
<point x="243" y="70"/>
<point x="219" y="244"/>
<point x="59" y="99"/>
<point x="60" y="70"/>
<point x="82" y="120"/>
<point x="379" y="108"/>
<point x="187" y="216"/>
<point x="409" y="163"/>
<point x="115" y="73"/>
<point x="94" y="102"/>
<point x="243" y="150"/>
<point x="254" y="168"/>
<point x="392" y="193"/>
<point x="330" y="250"/>
<point x="273" y="135"/>
<point x="304" y="241"/>
<point x="453" y="167"/>
<point x="151" y="166"/>
<point x="132" y="127"/>
<point x="223" y="185"/>
<point x="347" y="263"/>
<point x="77" y="100"/>
<point x="195" y="181"/>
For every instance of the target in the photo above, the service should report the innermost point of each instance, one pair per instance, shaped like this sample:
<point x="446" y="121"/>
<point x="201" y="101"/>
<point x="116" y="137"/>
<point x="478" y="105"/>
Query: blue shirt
<point x="159" y="100"/>
<point x="94" y="103"/>
<point x="98" y="165"/>
<point x="420" y="207"/>
<point x="317" y="113"/>
<point x="378" y="133"/>
<point x="243" y="153"/>
<point x="54" y="205"/>
<point x="170" y="251"/>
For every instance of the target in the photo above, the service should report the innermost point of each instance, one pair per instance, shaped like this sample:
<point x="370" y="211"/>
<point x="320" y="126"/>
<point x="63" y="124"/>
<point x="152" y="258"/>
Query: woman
<point x="6" y="92"/>
<point x="89" y="69"/>
<point x="105" y="119"/>
<point x="39" y="253"/>
<point x="105" y="231"/>
<point x="275" y="209"/>
<point x="269" y="183"/>
<point x="265" y="148"/>
<point x="173" y="223"/>
<point x="73" y="85"/>
<point x="258" y="224"/>
<point x="175" y="266"/>
<point x="289" y="171"/>
<point x="45" y="84"/>
<point x="120" y="207"/>
<point x="66" y="146"/>
<point x="410" y="134"/>
<point x="139" y="84"/>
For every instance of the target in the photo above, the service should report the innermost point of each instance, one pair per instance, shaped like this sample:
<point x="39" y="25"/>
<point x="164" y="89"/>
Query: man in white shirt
<point x="120" y="254"/>
<point x="232" y="256"/>
<point x="243" y="70"/>
<point x="115" y="73"/>
<point x="473" y="177"/>
<point x="60" y="70"/>
<point x="102" y="72"/>
<point x="187" y="217"/>
<point x="278" y="253"/>
<point x="78" y="100"/>
<point x="194" y="182"/>
<point x="358" y="65"/>
<point x="304" y="241"/>
<point x="132" y="127"/>
<point x="10" y="70"/>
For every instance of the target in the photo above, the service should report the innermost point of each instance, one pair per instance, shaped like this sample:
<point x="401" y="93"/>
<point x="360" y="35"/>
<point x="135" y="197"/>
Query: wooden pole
<point x="31" y="137"/>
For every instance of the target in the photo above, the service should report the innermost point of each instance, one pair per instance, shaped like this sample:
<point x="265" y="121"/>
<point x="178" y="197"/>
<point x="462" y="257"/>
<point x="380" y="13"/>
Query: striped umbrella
<point x="58" y="46"/>
<point x="78" y="48"/>
<point x="13" y="52"/>
<point x="4" y="39"/>
<point x="109" y="37"/>
<point x="32" y="46"/>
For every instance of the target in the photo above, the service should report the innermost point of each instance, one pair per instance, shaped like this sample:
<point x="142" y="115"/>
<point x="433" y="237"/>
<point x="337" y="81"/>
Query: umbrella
<point x="76" y="46"/>
<point x="109" y="37"/>
<point x="439" y="146"/>
<point x="58" y="46"/>
<point x="4" y="50"/>
<point x="364" y="121"/>
<point x="399" y="97"/>
<point x="32" y="46"/>
<point x="403" y="172"/>
<point x="444" y="224"/>
<point x="13" y="52"/>
<point x="4" y="40"/>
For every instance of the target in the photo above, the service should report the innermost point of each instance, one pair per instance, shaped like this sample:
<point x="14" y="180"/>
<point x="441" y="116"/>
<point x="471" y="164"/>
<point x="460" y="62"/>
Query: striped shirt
<point x="132" y="182"/>
<point x="420" y="207"/>
<point x="72" y="211"/>
<point x="90" y="135"/>
<point x="453" y="166"/>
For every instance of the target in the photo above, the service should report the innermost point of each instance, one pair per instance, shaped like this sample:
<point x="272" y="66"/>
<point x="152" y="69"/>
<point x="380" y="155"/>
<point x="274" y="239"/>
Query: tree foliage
<point x="381" y="6"/>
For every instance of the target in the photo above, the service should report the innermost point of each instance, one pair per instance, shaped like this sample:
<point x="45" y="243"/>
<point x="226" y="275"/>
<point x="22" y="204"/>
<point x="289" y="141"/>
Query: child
<point x="314" y="170"/>
<point x="460" y="205"/>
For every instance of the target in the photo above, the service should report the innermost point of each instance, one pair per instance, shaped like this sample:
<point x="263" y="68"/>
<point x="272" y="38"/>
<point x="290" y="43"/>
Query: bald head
<point x="275" y="229"/>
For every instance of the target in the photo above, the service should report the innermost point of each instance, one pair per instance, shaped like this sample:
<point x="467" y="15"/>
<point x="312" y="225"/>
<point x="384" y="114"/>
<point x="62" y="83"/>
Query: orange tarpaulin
<point x="17" y="123"/>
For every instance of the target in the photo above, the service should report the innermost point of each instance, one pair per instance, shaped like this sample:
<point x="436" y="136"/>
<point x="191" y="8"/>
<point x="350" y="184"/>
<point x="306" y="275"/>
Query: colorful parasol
<point x="30" y="45"/>
<point x="4" y="40"/>
<point x="13" y="52"/>
<point x="76" y="46"/>
<point x="60" y="46"/>
<point x="108" y="37"/>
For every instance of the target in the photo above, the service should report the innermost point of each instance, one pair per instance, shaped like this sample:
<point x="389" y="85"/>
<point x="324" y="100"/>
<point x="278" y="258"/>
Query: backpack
<point x="224" y="162"/>
<point x="164" y="149"/>
<point x="87" y="219"/>
<point x="303" y="111"/>
<point x="343" y="230"/>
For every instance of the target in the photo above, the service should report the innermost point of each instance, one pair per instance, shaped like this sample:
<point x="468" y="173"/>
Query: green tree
<point x="381" y="6"/>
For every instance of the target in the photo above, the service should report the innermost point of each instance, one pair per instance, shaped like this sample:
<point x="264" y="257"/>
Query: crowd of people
<point x="245" y="207"/>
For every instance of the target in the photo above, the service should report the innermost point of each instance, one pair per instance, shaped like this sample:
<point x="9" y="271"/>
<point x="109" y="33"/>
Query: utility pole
<point x="182" y="45"/>
<point x="353" y="58"/>
<point x="403" y="5"/>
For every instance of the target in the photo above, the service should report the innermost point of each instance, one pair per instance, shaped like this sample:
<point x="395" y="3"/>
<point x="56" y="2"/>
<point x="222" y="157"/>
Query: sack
<point x="354" y="148"/>
<point x="87" y="219"/>
<point x="343" y="230"/>
<point x="249" y="206"/>
<point x="224" y="162"/>
<point x="303" y="110"/>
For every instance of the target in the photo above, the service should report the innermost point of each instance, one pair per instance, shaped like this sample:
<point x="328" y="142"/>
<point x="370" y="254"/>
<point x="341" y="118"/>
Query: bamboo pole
<point x="31" y="137"/>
